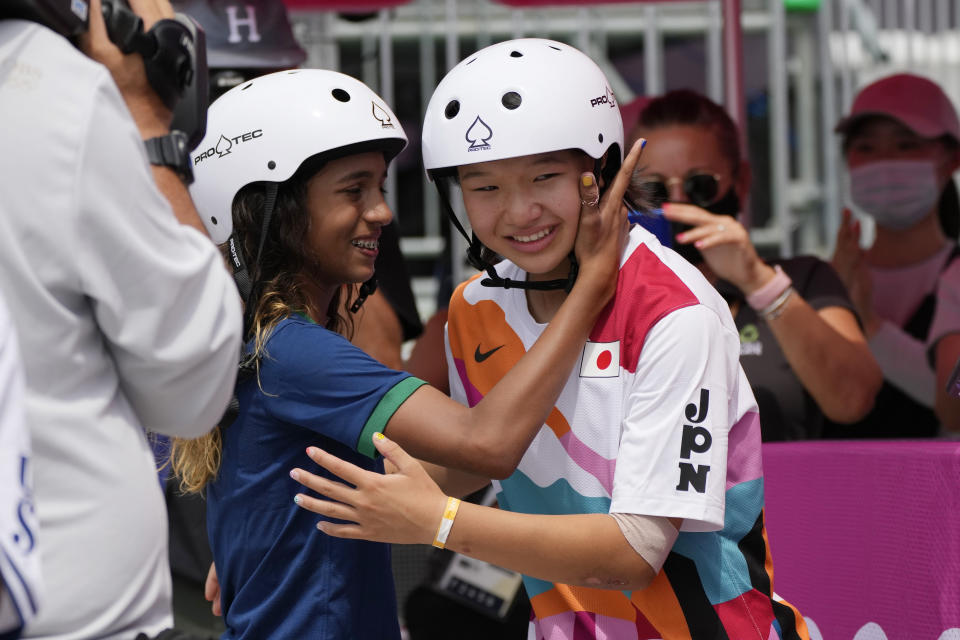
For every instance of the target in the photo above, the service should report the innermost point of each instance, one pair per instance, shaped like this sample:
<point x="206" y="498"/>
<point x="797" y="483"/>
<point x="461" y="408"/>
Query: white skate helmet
<point x="264" y="129"/>
<point x="517" y="98"/>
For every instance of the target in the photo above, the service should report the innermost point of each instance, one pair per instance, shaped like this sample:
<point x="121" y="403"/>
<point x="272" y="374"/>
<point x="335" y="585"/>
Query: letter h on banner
<point x="250" y="22"/>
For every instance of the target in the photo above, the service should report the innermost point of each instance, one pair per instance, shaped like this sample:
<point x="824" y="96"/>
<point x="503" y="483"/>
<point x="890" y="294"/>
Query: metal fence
<point x="801" y="69"/>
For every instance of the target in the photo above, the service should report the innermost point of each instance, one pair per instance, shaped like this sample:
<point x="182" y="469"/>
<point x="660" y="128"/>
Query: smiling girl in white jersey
<point x="637" y="511"/>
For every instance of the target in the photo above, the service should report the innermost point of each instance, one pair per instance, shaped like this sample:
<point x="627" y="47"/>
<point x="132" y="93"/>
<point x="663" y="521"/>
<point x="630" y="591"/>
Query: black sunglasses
<point x="703" y="189"/>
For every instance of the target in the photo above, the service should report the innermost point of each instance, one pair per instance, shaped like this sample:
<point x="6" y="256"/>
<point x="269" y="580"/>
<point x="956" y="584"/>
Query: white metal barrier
<point x="808" y="65"/>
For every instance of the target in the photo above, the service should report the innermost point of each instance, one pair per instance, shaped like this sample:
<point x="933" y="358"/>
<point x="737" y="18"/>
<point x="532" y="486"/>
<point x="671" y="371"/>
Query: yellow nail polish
<point x="587" y="180"/>
<point x="379" y="436"/>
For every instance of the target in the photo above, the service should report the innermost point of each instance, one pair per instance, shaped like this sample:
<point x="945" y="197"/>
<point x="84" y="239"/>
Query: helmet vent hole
<point x="511" y="100"/>
<point x="600" y="138"/>
<point x="453" y="108"/>
<point x="271" y="165"/>
<point x="555" y="48"/>
<point x="341" y="95"/>
<point x="471" y="61"/>
<point x="516" y="54"/>
<point x="249" y="84"/>
<point x="213" y="219"/>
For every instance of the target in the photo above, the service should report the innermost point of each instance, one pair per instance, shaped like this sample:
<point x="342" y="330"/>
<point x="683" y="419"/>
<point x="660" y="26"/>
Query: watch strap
<point x="171" y="151"/>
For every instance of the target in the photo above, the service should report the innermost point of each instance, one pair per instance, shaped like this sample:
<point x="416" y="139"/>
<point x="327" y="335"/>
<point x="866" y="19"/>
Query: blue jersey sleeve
<point x="317" y="379"/>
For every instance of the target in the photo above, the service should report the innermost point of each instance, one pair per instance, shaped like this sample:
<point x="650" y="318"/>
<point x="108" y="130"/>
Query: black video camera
<point x="174" y="51"/>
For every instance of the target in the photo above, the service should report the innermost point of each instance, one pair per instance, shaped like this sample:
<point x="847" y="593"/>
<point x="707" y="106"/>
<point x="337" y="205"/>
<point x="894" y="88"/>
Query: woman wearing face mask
<point x="900" y="143"/>
<point x="801" y="346"/>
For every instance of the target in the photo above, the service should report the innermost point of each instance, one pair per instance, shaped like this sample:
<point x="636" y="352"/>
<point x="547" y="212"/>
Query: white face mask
<point x="896" y="193"/>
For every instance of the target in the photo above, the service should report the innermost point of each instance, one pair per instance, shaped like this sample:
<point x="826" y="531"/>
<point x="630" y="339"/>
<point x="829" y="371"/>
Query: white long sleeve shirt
<point x="127" y="320"/>
<point x="21" y="583"/>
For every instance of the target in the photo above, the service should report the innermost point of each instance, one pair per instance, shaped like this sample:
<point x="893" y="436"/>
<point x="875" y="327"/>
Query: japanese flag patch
<point x="600" y="360"/>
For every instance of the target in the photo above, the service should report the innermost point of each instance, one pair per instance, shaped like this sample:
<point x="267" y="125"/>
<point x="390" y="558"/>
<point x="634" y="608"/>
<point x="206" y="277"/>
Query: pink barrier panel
<point x="865" y="536"/>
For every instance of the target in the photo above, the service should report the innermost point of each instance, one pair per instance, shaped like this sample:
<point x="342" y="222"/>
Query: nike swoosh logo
<point x="480" y="356"/>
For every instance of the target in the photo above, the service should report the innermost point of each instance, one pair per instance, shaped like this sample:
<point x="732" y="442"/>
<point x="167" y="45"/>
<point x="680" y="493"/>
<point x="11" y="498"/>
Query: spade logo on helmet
<point x="381" y="114"/>
<point x="478" y="135"/>
<point x="225" y="144"/>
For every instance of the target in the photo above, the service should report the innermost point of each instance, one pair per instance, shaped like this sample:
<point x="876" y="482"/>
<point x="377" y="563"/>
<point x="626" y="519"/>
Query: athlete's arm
<point x="452" y="482"/>
<point x="587" y="550"/>
<point x="489" y="439"/>
<point x="827" y="351"/>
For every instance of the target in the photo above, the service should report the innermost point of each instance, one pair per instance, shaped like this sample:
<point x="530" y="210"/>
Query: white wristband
<point x="446" y="522"/>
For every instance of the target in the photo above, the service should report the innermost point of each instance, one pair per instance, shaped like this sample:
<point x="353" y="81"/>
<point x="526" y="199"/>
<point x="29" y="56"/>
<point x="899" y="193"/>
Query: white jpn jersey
<point x="657" y="418"/>
<point x="127" y="321"/>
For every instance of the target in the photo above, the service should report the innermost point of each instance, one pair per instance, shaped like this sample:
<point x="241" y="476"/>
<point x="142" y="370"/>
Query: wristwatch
<point x="171" y="151"/>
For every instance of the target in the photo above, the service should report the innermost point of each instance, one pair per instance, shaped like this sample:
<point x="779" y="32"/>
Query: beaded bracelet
<point x="775" y="309"/>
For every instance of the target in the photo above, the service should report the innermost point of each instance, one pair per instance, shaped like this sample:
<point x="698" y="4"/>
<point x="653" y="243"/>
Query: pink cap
<point x="917" y="103"/>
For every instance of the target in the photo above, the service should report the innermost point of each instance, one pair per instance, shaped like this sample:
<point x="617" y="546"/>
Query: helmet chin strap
<point x="493" y="279"/>
<point x="244" y="276"/>
<point x="244" y="279"/>
<point x="366" y="289"/>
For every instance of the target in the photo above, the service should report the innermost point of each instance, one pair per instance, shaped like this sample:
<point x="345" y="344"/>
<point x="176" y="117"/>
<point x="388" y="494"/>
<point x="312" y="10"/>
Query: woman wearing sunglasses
<point x="800" y="342"/>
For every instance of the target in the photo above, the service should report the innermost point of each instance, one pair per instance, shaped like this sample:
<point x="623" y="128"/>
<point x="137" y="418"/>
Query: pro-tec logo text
<point x="607" y="99"/>
<point x="225" y="145"/>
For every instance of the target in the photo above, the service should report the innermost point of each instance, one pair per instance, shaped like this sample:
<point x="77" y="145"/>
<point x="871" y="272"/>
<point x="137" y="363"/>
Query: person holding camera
<point x="127" y="319"/>
<point x="20" y="580"/>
